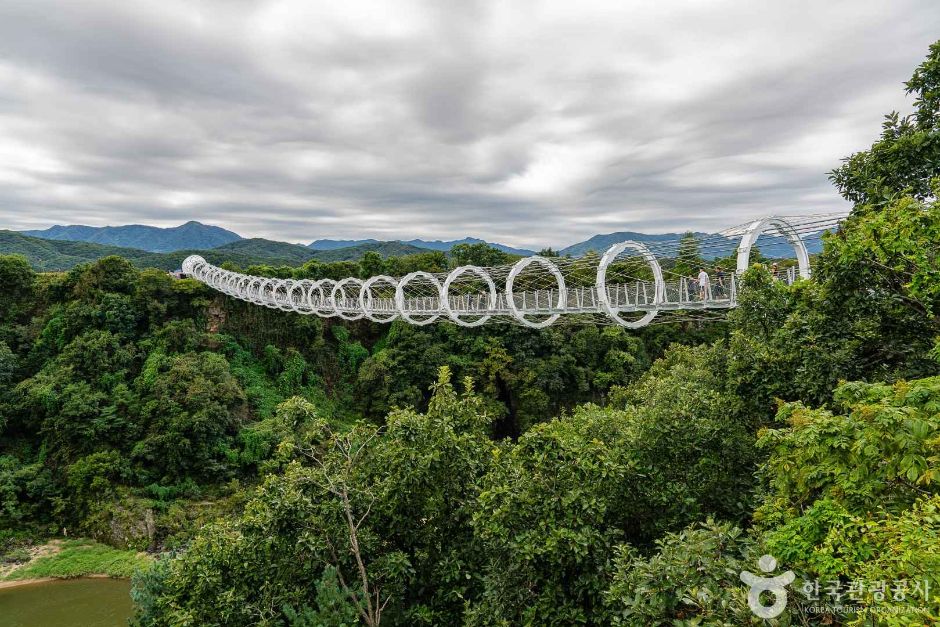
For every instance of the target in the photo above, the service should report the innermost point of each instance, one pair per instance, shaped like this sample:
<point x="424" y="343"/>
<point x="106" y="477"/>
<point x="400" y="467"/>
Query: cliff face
<point x="215" y="316"/>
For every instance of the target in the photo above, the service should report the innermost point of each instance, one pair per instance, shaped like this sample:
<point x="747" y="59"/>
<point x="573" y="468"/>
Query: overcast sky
<point x="527" y="123"/>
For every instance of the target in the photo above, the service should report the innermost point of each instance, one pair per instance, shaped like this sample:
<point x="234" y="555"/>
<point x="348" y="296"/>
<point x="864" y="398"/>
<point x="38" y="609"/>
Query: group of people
<point x="704" y="282"/>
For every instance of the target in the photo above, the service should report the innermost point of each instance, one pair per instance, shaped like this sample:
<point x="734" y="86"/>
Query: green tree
<point x="373" y="521"/>
<point x="689" y="258"/>
<point x="107" y="275"/>
<point x="554" y="506"/>
<point x="192" y="409"/>
<point x="856" y="495"/>
<point x="18" y="280"/>
<point x="91" y="482"/>
<point x="371" y="264"/>
<point x="7" y="366"/>
<point x="690" y="579"/>
<point x="479" y="254"/>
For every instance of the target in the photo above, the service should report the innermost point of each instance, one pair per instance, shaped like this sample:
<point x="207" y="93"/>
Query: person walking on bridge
<point x="704" y="286"/>
<point x="720" y="281"/>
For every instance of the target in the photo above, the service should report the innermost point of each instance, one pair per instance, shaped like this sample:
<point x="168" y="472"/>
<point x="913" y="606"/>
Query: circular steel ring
<point x="400" y="298"/>
<point x="559" y="279"/>
<point x="340" y="288"/>
<point x="604" y="299"/>
<point x="445" y="295"/>
<point x="365" y="298"/>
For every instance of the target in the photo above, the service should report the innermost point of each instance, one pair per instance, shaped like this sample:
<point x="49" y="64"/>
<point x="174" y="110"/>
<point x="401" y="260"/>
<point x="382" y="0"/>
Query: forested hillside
<point x="188" y="236"/>
<point x="46" y="255"/>
<point x="292" y="470"/>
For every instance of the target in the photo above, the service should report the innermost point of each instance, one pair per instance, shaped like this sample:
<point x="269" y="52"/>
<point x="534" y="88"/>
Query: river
<point x="86" y="602"/>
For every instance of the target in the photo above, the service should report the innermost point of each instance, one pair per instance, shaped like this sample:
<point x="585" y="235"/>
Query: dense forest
<point x="291" y="470"/>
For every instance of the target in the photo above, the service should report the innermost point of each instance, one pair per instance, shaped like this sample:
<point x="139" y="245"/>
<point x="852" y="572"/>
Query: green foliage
<point x="259" y="440"/>
<point x="253" y="376"/>
<point x="26" y="491"/>
<point x="550" y="509"/>
<point x="479" y="254"/>
<point x="349" y="352"/>
<point x="194" y="410"/>
<point x="554" y="505"/>
<point x="19" y="282"/>
<point x="408" y="489"/>
<point x="691" y="579"/>
<point x="893" y="253"/>
<point x="91" y="480"/>
<point x="856" y="496"/>
<point x="430" y="467"/>
<point x="693" y="442"/>
<point x="884" y="452"/>
<point x="7" y="365"/>
<point x="529" y="376"/>
<point x="332" y="606"/>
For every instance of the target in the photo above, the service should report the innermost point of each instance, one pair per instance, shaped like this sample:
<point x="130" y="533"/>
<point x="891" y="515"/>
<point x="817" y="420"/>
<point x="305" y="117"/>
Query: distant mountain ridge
<point x="195" y="236"/>
<point x="191" y="235"/>
<point x="49" y="255"/>
<point x="333" y="244"/>
<point x="298" y="254"/>
<point x="601" y="242"/>
<point x="445" y="246"/>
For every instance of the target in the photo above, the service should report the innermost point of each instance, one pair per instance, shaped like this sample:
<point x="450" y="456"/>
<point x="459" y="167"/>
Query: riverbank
<point x="67" y="559"/>
<point x="15" y="583"/>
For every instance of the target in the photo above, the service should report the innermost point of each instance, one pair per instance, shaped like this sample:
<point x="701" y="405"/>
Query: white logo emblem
<point x="777" y="585"/>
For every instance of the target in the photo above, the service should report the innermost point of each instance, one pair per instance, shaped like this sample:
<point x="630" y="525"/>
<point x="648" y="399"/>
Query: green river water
<point x="67" y="603"/>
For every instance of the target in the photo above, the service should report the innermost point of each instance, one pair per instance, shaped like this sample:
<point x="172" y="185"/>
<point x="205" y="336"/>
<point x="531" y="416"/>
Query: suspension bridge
<point x="631" y="284"/>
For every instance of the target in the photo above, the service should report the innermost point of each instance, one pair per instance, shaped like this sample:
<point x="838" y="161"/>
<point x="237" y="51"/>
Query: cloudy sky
<point x="528" y="123"/>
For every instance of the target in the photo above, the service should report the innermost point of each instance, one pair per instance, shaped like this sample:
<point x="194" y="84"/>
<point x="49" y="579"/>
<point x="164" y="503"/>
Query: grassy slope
<point x="79" y="558"/>
<point x="54" y="255"/>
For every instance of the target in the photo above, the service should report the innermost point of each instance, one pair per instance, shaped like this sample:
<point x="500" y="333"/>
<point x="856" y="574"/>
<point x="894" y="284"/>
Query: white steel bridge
<point x="628" y="285"/>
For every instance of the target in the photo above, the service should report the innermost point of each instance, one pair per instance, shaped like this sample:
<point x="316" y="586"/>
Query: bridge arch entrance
<point x="757" y="228"/>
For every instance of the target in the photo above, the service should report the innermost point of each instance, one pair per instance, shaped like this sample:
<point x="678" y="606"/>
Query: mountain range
<point x="166" y="247"/>
<point x="46" y="255"/>
<point x="197" y="236"/>
<point x="192" y="235"/>
<point x="445" y="246"/>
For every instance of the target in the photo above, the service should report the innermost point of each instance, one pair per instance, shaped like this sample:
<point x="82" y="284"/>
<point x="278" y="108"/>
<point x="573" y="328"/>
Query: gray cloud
<point x="530" y="123"/>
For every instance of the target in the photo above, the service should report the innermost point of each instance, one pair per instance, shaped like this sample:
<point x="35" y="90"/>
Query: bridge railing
<point x="626" y="297"/>
<point x="635" y="296"/>
<point x="534" y="292"/>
